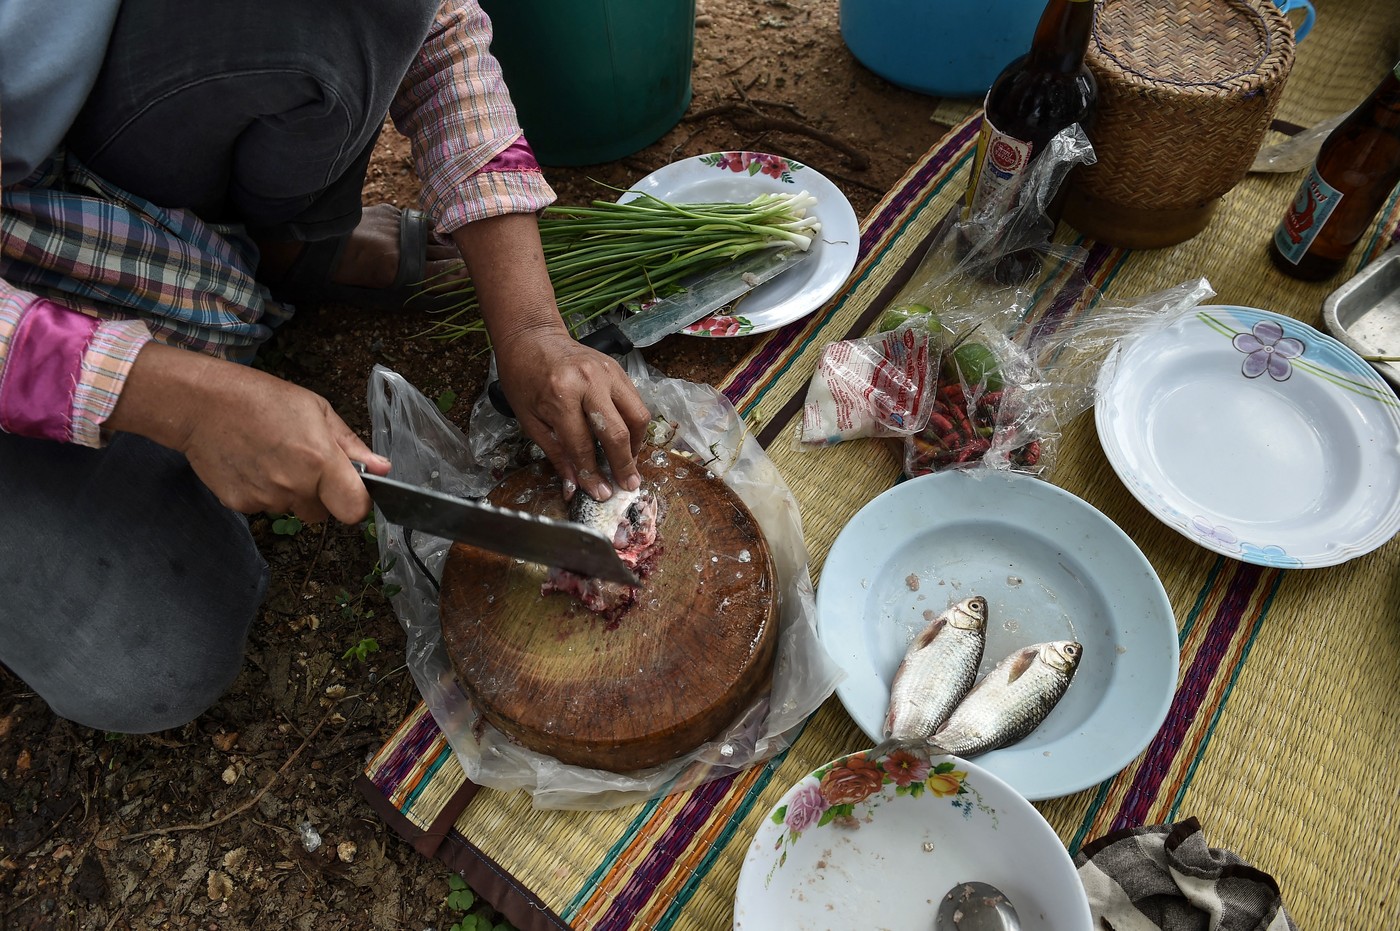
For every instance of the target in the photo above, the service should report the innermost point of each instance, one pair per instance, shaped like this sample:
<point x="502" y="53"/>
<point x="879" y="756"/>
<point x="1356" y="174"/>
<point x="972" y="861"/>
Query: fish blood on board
<point x="630" y="520"/>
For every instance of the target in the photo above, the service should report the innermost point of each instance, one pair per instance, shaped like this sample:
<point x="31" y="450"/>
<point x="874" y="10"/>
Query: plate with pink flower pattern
<point x="1255" y="436"/>
<point x="739" y="177"/>
<point x="875" y="841"/>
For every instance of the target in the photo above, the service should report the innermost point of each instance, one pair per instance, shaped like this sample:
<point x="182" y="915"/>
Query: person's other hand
<point x="258" y="442"/>
<point x="565" y="395"/>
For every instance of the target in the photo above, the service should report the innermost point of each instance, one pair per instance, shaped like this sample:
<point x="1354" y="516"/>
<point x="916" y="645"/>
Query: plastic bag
<point x="1007" y="388"/>
<point x="1297" y="151"/>
<point x="1016" y="333"/>
<point x="878" y="386"/>
<point x="428" y="449"/>
<point x="882" y="385"/>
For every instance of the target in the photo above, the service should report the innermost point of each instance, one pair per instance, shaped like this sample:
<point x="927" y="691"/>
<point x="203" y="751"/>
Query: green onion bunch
<point x="609" y="255"/>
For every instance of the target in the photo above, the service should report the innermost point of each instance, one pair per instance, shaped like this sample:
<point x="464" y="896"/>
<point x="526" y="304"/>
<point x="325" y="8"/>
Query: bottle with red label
<point x="1034" y="97"/>
<point x="1355" y="171"/>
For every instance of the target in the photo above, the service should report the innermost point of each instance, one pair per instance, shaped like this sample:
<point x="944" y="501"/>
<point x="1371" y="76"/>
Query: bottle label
<point x="1306" y="216"/>
<point x="998" y="170"/>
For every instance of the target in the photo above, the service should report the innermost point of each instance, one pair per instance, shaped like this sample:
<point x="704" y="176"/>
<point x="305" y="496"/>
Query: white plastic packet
<point x="878" y="386"/>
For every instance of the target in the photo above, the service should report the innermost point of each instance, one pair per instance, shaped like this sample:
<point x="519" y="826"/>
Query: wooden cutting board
<point x="676" y="668"/>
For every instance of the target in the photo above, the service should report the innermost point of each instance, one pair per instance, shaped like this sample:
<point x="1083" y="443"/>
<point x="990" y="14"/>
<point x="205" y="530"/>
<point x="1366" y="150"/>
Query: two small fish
<point x="933" y="697"/>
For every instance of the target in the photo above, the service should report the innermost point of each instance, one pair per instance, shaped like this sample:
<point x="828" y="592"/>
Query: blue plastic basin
<point x="946" y="48"/>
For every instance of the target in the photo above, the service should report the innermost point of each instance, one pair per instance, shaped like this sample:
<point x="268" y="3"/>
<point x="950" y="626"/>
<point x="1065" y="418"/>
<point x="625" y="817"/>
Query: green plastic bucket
<point x="594" y="80"/>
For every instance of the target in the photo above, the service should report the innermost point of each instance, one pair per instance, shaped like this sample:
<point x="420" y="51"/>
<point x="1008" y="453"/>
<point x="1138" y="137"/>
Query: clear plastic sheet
<point x="1297" y="151"/>
<point x="428" y="449"/>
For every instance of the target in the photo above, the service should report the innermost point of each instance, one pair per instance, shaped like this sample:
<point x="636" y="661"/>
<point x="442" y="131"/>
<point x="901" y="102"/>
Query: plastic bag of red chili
<point x="1009" y="380"/>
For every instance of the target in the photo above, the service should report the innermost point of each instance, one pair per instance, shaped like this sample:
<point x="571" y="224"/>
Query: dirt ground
<point x="199" y="827"/>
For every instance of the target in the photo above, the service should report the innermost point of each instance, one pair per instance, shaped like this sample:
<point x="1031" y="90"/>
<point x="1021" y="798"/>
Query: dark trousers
<point x="126" y="589"/>
<point x="262" y="112"/>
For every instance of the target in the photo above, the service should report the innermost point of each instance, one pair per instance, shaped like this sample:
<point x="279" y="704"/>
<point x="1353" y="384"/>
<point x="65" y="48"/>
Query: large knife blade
<point x="697" y="298"/>
<point x="531" y="537"/>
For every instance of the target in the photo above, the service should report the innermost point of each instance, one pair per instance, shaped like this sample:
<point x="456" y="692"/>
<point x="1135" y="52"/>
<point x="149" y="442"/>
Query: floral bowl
<point x="875" y="841"/>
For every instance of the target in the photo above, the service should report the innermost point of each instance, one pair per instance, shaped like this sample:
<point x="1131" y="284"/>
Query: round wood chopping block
<point x="673" y="670"/>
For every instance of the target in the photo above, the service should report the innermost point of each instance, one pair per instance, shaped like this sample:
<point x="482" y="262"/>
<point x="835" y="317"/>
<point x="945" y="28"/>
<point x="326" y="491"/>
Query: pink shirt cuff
<point x="63" y="373"/>
<point x="42" y="370"/>
<point x="511" y="182"/>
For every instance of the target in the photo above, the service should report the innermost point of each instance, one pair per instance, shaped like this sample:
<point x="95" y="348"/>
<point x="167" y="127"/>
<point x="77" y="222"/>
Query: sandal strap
<point x="413" y="249"/>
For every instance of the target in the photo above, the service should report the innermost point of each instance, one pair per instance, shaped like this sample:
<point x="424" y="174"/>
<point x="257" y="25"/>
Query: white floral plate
<point x="876" y="843"/>
<point x="1254" y="435"/>
<point x="738" y="177"/>
<point x="1051" y="567"/>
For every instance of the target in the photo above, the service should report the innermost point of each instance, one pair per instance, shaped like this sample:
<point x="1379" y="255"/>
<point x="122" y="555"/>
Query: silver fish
<point x="937" y="670"/>
<point x="1011" y="700"/>
<point x="628" y="517"/>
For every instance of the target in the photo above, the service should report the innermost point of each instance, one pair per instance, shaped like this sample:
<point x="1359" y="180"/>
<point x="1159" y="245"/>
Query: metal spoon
<point x="976" y="906"/>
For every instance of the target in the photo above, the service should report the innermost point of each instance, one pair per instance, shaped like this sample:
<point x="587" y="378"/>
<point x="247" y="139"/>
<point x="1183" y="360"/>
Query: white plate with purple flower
<point x="1254" y="435"/>
<point x="870" y="841"/>
<point x="739" y="177"/>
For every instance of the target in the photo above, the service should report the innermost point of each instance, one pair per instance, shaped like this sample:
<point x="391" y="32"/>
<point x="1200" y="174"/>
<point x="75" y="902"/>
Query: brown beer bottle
<point x="1355" y="171"/>
<point x="1034" y="97"/>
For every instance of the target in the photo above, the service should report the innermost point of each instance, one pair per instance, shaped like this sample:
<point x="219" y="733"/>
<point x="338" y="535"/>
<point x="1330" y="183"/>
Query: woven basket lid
<point x="1187" y="89"/>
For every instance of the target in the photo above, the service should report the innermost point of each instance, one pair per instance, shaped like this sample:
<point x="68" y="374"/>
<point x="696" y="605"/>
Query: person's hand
<point x="565" y="396"/>
<point x="259" y="443"/>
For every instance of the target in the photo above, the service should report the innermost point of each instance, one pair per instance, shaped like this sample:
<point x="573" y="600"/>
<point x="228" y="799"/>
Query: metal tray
<point x="1364" y="313"/>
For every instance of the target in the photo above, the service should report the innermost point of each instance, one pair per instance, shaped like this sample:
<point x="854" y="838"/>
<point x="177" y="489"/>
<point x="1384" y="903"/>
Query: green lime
<point x="896" y="317"/>
<point x="977" y="365"/>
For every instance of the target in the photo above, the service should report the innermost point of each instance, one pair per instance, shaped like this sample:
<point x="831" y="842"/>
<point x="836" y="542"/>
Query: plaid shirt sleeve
<point x="455" y="110"/>
<point x="61" y="371"/>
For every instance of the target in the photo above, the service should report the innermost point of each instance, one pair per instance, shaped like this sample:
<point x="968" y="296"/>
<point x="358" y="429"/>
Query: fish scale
<point x="938" y="668"/>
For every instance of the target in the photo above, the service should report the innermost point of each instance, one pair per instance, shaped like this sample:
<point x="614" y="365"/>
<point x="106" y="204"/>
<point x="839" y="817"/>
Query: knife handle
<point x="497" y="397"/>
<point x="609" y="339"/>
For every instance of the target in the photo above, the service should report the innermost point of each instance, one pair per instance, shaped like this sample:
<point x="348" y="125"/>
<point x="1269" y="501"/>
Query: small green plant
<point x="476" y="915"/>
<point x="362" y="650"/>
<point x="446" y="400"/>
<point x="353" y="608"/>
<point x="287" y="525"/>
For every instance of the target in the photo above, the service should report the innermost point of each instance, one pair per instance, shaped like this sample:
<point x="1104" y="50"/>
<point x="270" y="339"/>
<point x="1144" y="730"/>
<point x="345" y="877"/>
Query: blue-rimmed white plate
<point x="1051" y="567"/>
<point x="1255" y="436"/>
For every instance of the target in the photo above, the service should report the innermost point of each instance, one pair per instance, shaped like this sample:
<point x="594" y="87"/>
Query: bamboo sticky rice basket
<point x="1187" y="89"/>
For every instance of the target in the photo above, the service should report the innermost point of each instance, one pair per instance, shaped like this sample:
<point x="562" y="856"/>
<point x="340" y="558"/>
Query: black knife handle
<point x="497" y="397"/>
<point x="609" y="339"/>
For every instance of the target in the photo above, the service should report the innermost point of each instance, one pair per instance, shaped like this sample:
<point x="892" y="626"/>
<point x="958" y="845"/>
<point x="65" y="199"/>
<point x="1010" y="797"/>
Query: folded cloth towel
<point x="1165" y="878"/>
